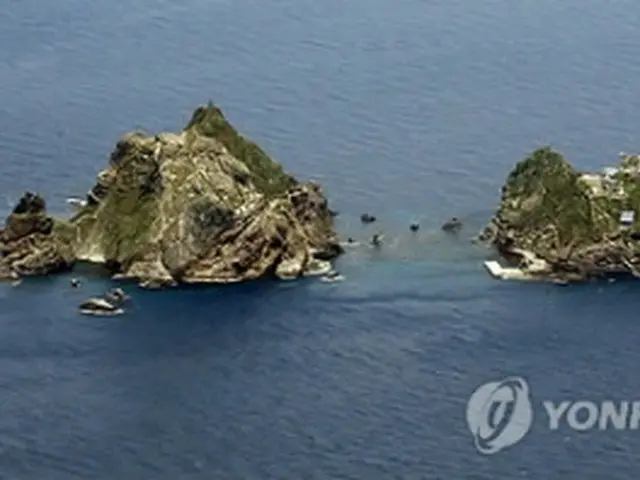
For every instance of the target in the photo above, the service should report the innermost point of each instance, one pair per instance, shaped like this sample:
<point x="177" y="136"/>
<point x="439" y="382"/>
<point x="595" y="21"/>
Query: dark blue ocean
<point x="413" y="110"/>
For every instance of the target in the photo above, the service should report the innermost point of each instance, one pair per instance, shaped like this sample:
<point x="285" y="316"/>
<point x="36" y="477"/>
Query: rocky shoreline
<point x="557" y="224"/>
<point x="205" y="205"/>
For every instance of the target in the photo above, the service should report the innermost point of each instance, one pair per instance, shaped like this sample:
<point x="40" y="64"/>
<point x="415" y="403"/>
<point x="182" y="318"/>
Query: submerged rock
<point x="453" y="225"/>
<point x="350" y="243"/>
<point x="367" y="218"/>
<point x="204" y="205"/>
<point x="566" y="226"/>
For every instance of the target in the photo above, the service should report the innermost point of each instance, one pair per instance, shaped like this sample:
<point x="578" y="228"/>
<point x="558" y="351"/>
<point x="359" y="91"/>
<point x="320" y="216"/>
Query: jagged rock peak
<point x="201" y="205"/>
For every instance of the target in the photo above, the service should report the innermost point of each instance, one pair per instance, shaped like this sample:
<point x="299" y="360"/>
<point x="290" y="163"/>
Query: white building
<point x="627" y="217"/>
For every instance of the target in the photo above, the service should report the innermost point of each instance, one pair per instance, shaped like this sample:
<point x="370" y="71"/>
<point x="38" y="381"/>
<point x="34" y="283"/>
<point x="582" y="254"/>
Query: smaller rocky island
<point x="556" y="223"/>
<point x="204" y="205"/>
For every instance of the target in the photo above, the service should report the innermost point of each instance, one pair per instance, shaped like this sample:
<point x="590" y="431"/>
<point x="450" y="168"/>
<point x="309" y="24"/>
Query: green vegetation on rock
<point x="571" y="219"/>
<point x="269" y="176"/>
<point x="202" y="205"/>
<point x="543" y="190"/>
<point x="65" y="231"/>
<point x="125" y="220"/>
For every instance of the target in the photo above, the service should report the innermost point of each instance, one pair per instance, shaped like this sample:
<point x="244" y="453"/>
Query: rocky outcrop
<point x="99" y="307"/>
<point x="202" y="205"/>
<point x="567" y="225"/>
<point x="116" y="296"/>
<point x="110" y="304"/>
<point x="453" y="225"/>
<point x="33" y="243"/>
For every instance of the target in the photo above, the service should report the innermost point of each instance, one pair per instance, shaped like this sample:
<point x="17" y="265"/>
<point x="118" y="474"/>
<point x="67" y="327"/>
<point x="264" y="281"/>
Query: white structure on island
<point x="627" y="218"/>
<point x="595" y="183"/>
<point x="506" y="273"/>
<point x="76" y="203"/>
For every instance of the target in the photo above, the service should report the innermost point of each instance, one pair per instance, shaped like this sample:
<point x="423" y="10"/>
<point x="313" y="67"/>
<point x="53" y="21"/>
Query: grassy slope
<point x="560" y="199"/>
<point x="125" y="216"/>
<point x="269" y="176"/>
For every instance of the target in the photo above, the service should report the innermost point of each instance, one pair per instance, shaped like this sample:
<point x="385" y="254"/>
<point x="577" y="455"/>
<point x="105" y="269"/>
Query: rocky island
<point x="556" y="223"/>
<point x="204" y="205"/>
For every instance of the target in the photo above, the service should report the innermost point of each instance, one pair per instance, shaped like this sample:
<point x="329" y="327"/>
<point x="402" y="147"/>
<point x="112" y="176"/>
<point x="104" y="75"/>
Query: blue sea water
<point x="412" y="110"/>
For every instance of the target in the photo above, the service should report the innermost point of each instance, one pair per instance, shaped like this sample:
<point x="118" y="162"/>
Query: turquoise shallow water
<point x="414" y="110"/>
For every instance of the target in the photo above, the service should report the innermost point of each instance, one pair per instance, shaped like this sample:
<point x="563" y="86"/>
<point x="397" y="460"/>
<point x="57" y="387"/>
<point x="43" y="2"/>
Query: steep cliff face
<point x="572" y="220"/>
<point x="202" y="205"/>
